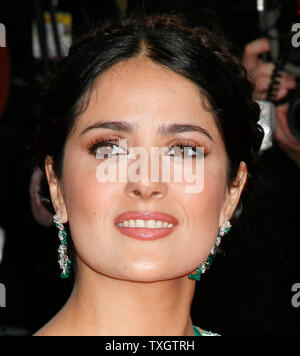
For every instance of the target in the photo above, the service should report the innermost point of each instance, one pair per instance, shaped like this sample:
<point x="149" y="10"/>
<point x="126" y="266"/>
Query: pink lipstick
<point x="145" y="225"/>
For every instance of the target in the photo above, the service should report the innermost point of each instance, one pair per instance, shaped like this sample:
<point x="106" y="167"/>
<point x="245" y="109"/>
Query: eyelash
<point x="104" y="142"/>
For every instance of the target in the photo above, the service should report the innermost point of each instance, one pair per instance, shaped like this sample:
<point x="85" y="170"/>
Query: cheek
<point x="89" y="205"/>
<point x="201" y="213"/>
<point x="86" y="198"/>
<point x="204" y="208"/>
<point x="79" y="182"/>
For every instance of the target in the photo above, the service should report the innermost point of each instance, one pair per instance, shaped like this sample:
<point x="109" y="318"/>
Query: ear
<point x="233" y="194"/>
<point x="56" y="192"/>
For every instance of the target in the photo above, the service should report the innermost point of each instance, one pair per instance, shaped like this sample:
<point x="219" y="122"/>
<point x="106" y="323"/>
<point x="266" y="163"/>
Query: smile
<point x="151" y="224"/>
<point x="145" y="226"/>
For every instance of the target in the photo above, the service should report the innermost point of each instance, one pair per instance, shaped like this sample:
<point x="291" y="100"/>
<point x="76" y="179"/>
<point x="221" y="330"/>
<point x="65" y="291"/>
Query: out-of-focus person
<point x="261" y="72"/>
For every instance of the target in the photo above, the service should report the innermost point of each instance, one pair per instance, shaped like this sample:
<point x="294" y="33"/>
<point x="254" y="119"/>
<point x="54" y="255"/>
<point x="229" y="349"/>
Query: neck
<point x="100" y="305"/>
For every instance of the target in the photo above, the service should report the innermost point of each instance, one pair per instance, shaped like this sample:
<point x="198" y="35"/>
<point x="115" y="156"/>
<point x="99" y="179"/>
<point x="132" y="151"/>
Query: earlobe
<point x="55" y="190"/>
<point x="234" y="194"/>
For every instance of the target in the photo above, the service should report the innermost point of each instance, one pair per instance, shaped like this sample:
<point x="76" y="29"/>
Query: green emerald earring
<point x="207" y="264"/>
<point x="63" y="259"/>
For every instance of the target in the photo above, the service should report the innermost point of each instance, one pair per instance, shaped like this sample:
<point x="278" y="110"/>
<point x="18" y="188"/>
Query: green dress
<point x="201" y="332"/>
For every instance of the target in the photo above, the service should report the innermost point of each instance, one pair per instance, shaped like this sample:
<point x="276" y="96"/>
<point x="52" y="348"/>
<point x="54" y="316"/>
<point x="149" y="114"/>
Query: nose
<point x="141" y="184"/>
<point x="146" y="190"/>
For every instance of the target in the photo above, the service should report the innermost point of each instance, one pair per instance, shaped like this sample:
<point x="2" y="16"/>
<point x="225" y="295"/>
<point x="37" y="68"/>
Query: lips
<point x="146" y="216"/>
<point x="144" y="233"/>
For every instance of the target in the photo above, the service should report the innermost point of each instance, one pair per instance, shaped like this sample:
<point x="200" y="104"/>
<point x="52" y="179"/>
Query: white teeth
<point x="159" y="224"/>
<point x="140" y="223"/>
<point x="131" y="223"/>
<point x="151" y="224"/>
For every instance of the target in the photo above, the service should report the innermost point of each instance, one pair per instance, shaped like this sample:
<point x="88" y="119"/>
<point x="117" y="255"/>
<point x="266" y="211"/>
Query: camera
<point x="278" y="20"/>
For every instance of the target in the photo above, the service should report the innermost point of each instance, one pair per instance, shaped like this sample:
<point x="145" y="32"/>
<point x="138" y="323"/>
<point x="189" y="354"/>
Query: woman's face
<point x="146" y="96"/>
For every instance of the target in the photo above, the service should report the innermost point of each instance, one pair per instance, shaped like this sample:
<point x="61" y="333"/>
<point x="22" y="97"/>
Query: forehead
<point x="147" y="94"/>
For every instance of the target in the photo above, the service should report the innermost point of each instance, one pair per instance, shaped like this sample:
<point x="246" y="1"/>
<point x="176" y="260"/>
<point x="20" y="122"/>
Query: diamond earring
<point x="63" y="259"/>
<point x="207" y="264"/>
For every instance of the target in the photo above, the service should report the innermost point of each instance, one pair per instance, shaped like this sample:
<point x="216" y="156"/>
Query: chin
<point x="148" y="274"/>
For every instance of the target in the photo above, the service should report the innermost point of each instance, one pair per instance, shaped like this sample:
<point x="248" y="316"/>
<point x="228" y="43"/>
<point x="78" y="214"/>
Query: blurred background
<point x="249" y="287"/>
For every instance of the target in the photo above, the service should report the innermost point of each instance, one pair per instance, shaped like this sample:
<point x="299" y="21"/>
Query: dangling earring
<point x="206" y="265"/>
<point x="63" y="259"/>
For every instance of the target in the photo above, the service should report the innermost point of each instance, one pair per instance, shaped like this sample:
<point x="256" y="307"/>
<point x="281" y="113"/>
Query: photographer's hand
<point x="260" y="73"/>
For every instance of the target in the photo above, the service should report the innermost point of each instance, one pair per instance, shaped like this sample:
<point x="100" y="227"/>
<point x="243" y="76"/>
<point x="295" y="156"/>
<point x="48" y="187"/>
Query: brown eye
<point x="109" y="149"/>
<point x="186" y="151"/>
<point x="106" y="149"/>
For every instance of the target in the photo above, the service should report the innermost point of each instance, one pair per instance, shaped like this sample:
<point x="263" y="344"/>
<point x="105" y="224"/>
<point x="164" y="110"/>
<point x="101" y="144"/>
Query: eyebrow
<point x="130" y="128"/>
